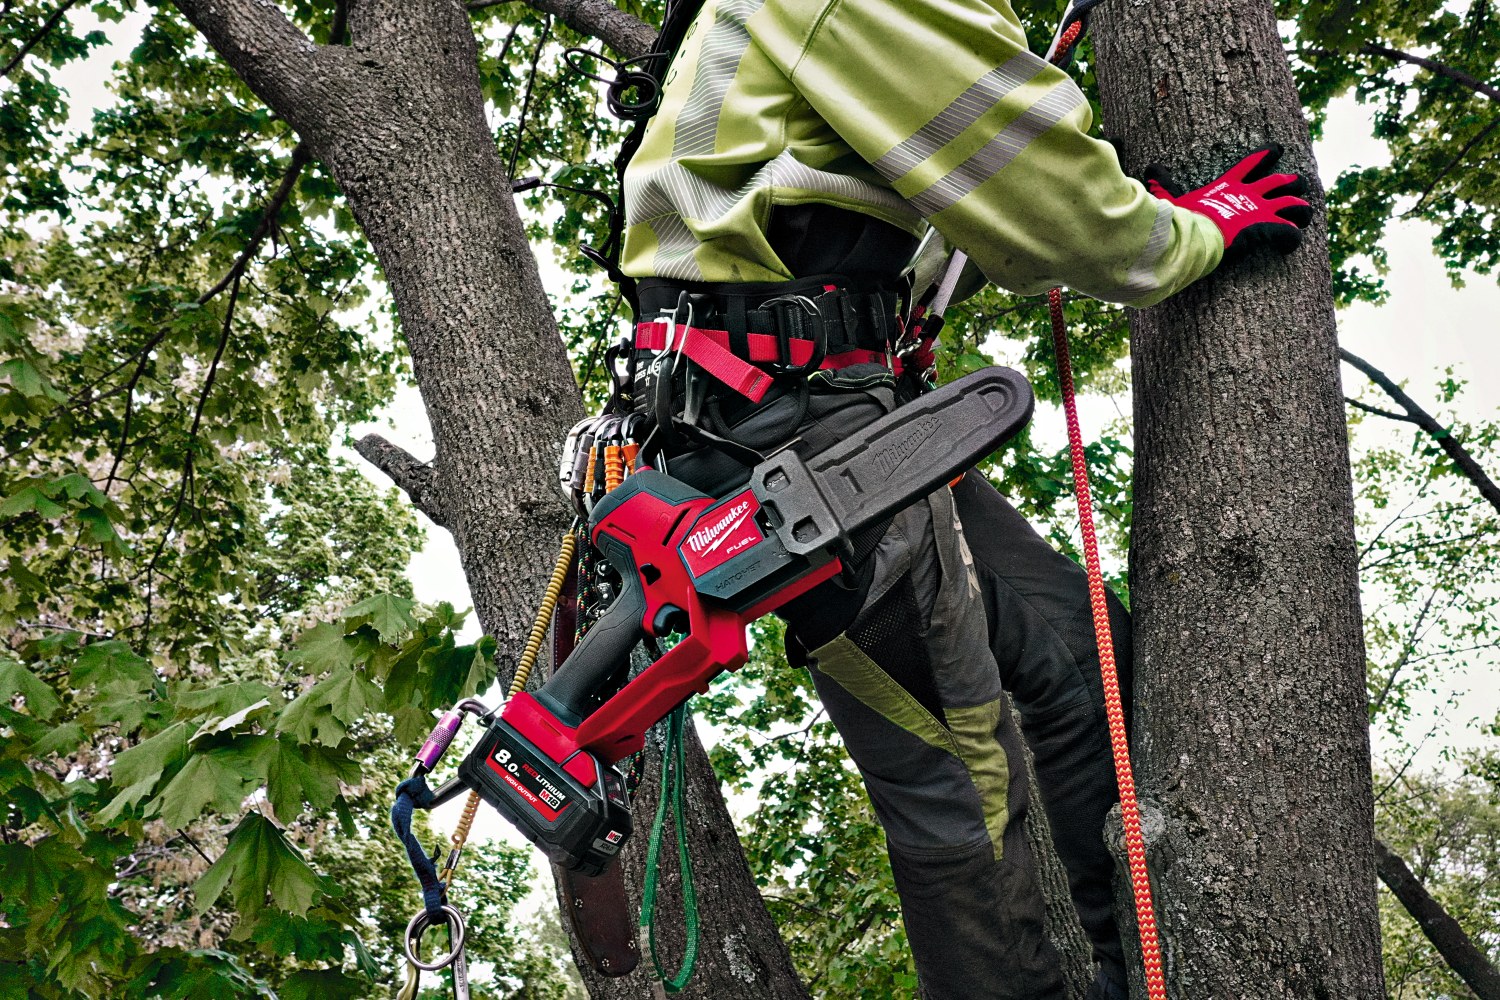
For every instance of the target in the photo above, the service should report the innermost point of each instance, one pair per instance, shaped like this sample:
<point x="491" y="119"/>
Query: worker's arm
<point x="988" y="142"/>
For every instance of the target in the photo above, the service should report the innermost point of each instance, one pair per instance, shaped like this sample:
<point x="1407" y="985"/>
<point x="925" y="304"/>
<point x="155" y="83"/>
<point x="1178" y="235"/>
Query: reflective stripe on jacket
<point x="904" y="110"/>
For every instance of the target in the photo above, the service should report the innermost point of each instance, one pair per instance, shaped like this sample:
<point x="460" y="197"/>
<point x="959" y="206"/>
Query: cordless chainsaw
<point x="706" y="569"/>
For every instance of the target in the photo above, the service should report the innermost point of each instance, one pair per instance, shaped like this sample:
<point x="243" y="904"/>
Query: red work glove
<point x="1250" y="205"/>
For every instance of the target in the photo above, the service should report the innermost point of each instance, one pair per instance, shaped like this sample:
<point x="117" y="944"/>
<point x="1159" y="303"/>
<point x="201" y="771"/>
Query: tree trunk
<point x="398" y="118"/>
<point x="1250" y="733"/>
<point x="740" y="952"/>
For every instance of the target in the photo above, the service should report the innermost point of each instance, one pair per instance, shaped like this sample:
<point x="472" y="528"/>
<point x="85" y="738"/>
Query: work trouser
<point x="913" y="650"/>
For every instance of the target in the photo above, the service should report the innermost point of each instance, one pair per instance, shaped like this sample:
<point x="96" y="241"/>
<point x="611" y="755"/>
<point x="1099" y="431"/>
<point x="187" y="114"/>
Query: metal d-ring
<point x="425" y="919"/>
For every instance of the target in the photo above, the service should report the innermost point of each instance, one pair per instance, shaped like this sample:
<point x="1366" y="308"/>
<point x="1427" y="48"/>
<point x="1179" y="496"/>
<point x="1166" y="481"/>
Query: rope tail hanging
<point x="1135" y="844"/>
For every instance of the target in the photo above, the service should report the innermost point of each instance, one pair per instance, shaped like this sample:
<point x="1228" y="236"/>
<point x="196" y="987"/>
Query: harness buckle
<point x="781" y="308"/>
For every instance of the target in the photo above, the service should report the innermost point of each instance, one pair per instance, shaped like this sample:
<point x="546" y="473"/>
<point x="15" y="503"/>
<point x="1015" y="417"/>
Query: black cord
<point x="515" y="149"/>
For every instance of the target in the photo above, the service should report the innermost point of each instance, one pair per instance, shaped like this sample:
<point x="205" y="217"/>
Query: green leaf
<point x="257" y="860"/>
<point x="387" y="614"/>
<point x="323" y="984"/>
<point x="411" y="724"/>
<point x="29" y="499"/>
<point x="29" y="380"/>
<point x="62" y="741"/>
<point x="333" y="704"/>
<point x="217" y="777"/>
<point x="15" y="679"/>
<point x="173" y="974"/>
<point x="137" y="770"/>
<point x="345" y="815"/>
<point x="296" y="774"/>
<point x="216" y="725"/>
<point x="447" y="669"/>
<point x="110" y="662"/>
<point x="481" y="669"/>
<point x="226" y="699"/>
<point x="324" y="648"/>
<point x="125" y="703"/>
<point x="310" y="939"/>
<point x="24" y="578"/>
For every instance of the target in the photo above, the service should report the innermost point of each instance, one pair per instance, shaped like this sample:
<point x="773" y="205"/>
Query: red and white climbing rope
<point x="1135" y="845"/>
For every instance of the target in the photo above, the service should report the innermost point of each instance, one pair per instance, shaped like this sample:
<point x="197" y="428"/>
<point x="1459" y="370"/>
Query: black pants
<point x="914" y="652"/>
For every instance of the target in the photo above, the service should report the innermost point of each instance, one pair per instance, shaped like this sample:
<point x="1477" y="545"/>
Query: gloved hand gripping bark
<point x="1250" y="205"/>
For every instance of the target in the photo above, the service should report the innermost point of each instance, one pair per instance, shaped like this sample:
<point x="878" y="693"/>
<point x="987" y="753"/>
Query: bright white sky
<point x="1426" y="326"/>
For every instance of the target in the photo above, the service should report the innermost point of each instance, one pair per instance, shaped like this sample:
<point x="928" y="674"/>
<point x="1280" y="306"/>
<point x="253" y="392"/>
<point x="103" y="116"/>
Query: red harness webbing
<point x="1135" y="845"/>
<point x="710" y="349"/>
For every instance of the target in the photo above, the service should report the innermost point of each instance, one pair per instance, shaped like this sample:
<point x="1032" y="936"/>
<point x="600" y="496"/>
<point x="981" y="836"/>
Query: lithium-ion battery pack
<point x="579" y="826"/>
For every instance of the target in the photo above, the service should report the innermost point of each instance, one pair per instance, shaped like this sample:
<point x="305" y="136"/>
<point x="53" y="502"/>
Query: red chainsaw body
<point x="665" y="539"/>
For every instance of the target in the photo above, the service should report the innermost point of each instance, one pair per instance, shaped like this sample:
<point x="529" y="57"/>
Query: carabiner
<point x="442" y="734"/>
<point x="424" y="920"/>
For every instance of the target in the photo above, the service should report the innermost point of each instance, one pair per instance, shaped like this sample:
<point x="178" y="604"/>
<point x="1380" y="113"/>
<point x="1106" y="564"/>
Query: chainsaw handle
<point x="605" y="646"/>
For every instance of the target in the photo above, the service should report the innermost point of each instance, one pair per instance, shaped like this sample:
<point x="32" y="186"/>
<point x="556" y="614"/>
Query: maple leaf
<point x="387" y="614"/>
<point x="138" y="769"/>
<point x="257" y="860"/>
<point x="15" y="679"/>
<point x="216" y="777"/>
<point x="62" y="741"/>
<point x="323" y="648"/>
<point x="332" y="705"/>
<point x="123" y="702"/>
<point x="111" y="662"/>
<point x="323" y="984"/>
<point x="296" y="774"/>
<point x="226" y="699"/>
<point x="411" y="724"/>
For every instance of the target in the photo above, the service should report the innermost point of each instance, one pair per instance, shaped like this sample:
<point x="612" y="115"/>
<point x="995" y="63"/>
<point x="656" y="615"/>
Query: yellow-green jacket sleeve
<point x="987" y="141"/>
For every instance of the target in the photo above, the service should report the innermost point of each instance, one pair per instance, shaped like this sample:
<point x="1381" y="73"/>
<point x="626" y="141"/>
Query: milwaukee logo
<point x="708" y="538"/>
<point x="727" y="531"/>
<point x="889" y="459"/>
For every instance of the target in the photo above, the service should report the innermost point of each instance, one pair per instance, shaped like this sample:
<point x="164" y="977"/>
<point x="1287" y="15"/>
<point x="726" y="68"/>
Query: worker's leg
<point x="1042" y="636"/>
<point x="914" y="690"/>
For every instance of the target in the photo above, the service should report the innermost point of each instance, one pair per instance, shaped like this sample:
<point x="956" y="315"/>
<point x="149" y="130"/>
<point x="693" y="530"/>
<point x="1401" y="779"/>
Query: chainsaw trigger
<point x="669" y="618"/>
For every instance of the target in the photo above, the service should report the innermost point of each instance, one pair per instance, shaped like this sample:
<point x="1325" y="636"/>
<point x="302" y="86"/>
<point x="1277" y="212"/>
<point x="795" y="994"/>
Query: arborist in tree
<point x="800" y="153"/>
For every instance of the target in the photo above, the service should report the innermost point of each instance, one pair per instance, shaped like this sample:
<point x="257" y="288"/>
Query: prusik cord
<point x="1135" y="844"/>
<point x="523" y="671"/>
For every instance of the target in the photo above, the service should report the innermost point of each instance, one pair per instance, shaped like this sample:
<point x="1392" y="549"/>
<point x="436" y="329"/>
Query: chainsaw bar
<point x="816" y="504"/>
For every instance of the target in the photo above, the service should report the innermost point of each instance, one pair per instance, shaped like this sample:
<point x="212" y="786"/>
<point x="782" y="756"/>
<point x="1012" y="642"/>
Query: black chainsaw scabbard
<point x="817" y="503"/>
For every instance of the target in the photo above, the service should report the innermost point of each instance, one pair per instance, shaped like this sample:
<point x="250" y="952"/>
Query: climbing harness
<point x="749" y="343"/>
<point x="1069" y="32"/>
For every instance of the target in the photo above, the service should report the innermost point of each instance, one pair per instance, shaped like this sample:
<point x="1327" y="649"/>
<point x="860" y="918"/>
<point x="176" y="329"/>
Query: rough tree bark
<point x="398" y="118"/>
<point x="1250" y="731"/>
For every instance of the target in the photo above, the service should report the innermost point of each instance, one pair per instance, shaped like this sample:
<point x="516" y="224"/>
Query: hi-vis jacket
<point x="906" y="110"/>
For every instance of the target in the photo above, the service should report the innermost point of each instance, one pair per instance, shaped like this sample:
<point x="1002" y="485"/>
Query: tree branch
<point x="628" y="36"/>
<point x="1433" y="66"/>
<point x="1457" y="949"/>
<point x="31" y="43"/>
<point x="1424" y="420"/>
<point x="300" y="158"/>
<point x="1377" y="410"/>
<point x="415" y="477"/>
<point x="261" y="45"/>
<point x="1451" y="164"/>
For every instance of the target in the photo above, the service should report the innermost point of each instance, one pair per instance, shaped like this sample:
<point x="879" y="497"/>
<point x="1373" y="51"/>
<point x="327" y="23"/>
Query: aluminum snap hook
<point x="424" y="920"/>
